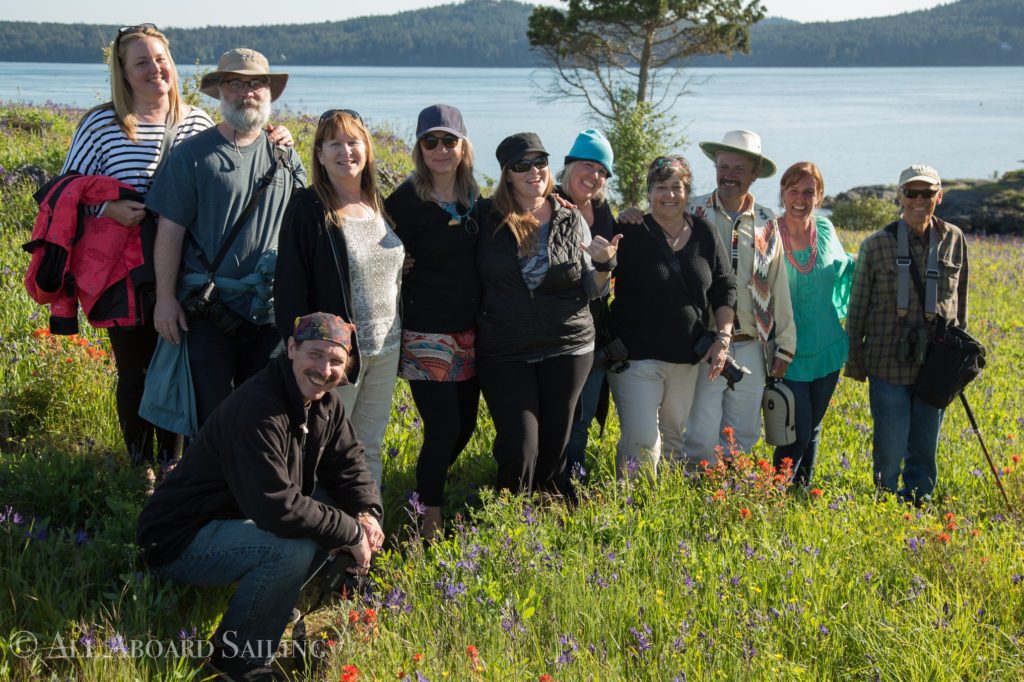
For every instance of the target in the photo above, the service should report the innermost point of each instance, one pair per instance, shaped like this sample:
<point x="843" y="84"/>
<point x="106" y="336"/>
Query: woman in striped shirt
<point x="124" y="139"/>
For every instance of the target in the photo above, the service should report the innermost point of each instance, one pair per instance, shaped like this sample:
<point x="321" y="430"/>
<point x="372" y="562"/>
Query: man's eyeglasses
<point x="330" y="113"/>
<point x="915" y="193"/>
<point x="523" y="166"/>
<point x="430" y="142"/>
<point x="240" y="84"/>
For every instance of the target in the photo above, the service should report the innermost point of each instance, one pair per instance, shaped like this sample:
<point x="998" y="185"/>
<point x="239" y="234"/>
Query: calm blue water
<point x="862" y="126"/>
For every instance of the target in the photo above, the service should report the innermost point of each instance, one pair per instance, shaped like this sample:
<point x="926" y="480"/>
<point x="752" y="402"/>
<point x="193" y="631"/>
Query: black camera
<point x="614" y="355"/>
<point x="913" y="345"/>
<point x="733" y="371"/>
<point x="197" y="304"/>
<point x="203" y="303"/>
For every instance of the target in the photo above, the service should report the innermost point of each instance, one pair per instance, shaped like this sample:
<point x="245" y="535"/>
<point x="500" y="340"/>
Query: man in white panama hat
<point x="764" y="335"/>
<point x="225" y="191"/>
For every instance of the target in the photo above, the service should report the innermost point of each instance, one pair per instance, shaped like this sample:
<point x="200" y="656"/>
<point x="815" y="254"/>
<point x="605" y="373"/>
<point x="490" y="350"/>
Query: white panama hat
<point x="741" y="142"/>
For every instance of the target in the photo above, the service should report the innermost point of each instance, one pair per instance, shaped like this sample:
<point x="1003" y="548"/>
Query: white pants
<point x="716" y="407"/>
<point x="653" y="400"/>
<point x="368" y="404"/>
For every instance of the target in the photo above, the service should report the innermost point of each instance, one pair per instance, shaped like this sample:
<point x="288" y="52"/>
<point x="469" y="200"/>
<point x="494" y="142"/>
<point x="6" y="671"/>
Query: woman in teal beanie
<point x="583" y="180"/>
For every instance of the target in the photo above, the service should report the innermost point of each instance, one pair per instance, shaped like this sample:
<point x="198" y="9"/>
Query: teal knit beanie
<point x="591" y="145"/>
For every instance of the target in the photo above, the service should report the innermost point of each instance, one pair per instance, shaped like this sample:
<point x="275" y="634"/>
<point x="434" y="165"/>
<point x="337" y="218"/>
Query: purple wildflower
<point x="632" y="466"/>
<point x="824" y="631"/>
<point x="81" y="537"/>
<point x="1016" y="578"/>
<point x="914" y="544"/>
<point x="415" y="505"/>
<point x="748" y="649"/>
<point x="184" y="634"/>
<point x="116" y="645"/>
<point x="642" y="637"/>
<point x="392" y="451"/>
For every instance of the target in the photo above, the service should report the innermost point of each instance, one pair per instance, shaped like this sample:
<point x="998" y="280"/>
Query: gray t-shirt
<point x="204" y="186"/>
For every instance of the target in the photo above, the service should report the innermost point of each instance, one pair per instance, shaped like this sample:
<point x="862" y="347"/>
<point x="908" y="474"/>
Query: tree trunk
<point x="645" y="67"/>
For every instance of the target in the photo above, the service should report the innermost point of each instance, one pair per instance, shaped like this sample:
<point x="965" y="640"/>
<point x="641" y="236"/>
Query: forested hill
<point x="493" y="33"/>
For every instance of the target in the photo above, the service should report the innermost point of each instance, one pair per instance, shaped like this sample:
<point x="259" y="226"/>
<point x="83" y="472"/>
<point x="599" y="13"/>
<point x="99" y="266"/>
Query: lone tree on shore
<point x="624" y="57"/>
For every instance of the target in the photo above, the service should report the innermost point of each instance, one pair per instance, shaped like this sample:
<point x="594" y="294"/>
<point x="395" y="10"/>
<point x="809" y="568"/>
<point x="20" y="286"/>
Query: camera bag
<point x="954" y="358"/>
<point x="778" y="407"/>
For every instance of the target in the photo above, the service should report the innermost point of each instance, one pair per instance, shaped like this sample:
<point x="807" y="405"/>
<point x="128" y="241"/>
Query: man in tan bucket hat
<point x="763" y="306"/>
<point x="225" y="191"/>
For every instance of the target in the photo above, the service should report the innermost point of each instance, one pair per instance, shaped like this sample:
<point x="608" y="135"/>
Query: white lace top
<point x="375" y="256"/>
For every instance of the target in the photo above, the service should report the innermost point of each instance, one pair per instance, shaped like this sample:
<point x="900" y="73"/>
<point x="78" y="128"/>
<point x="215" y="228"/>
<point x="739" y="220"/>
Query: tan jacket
<point x="755" y="220"/>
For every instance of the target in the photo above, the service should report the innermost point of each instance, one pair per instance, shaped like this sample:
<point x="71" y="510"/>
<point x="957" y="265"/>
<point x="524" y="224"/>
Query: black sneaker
<point x="237" y="669"/>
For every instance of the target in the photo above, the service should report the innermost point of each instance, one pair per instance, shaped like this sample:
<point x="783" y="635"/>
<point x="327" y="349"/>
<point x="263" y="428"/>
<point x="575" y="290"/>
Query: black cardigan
<point x="441" y="293"/>
<point x="650" y="312"/>
<point x="307" y="278"/>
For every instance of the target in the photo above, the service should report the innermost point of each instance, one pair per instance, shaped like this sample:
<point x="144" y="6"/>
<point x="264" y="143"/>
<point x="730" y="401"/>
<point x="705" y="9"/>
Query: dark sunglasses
<point x="331" y="112"/>
<point x="915" y="193"/>
<point x="125" y="30"/>
<point x="430" y="142"/>
<point x="129" y="30"/>
<point x="523" y="166"/>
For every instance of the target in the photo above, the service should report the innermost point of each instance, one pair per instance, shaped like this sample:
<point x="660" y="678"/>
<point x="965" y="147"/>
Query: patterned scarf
<point x="766" y="246"/>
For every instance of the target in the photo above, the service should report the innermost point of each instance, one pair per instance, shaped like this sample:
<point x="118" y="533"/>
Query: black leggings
<point x="133" y="349"/>
<point x="532" y="405"/>
<point x="448" y="410"/>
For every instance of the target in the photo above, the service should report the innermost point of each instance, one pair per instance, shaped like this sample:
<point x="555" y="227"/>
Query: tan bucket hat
<point x="741" y="142"/>
<point x="242" y="61"/>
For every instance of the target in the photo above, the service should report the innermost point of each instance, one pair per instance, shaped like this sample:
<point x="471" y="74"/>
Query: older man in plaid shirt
<point x="887" y="349"/>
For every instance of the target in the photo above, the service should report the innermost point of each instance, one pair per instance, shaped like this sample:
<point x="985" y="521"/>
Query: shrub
<point x="867" y="213"/>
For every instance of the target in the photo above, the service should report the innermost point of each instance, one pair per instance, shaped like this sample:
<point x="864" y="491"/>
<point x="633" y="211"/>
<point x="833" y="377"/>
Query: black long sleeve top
<point x="650" y="311"/>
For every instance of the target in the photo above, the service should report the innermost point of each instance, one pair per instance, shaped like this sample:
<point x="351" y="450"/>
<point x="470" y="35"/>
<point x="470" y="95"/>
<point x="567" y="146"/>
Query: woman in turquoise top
<point x="820" y="275"/>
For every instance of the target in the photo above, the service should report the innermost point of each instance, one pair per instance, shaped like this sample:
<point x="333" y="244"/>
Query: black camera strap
<point x="278" y="154"/>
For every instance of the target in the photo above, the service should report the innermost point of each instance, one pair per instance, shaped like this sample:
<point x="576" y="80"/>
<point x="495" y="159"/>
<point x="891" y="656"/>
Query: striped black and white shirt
<point x="100" y="147"/>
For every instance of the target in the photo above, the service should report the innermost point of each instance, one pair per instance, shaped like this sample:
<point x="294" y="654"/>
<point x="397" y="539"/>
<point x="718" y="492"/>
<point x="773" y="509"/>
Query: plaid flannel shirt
<point x="873" y="324"/>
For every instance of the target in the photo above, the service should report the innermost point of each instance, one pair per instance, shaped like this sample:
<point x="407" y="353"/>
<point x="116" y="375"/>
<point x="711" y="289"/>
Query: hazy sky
<point x="226" y="12"/>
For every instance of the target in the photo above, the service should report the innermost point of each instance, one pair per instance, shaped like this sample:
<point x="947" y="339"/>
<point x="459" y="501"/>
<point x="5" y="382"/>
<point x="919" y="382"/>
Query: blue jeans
<point x="812" y="398"/>
<point x="269" y="570"/>
<point x="906" y="436"/>
<point x="576" y="450"/>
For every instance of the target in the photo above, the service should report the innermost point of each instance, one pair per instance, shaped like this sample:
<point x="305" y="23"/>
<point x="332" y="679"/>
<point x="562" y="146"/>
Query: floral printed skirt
<point x="438" y="357"/>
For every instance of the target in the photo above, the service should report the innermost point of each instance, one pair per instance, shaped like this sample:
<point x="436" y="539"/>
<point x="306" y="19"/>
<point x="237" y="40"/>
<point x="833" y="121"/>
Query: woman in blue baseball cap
<point x="434" y="211"/>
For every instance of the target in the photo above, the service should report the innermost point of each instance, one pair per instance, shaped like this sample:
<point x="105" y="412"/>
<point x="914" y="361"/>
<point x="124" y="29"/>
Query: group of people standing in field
<point x="459" y="294"/>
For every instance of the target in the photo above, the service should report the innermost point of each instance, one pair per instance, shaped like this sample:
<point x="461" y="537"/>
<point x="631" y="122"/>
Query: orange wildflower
<point x="41" y="333"/>
<point x="744" y="513"/>
<point x="816" y="492"/>
<point x="416" y="658"/>
<point x="975" y="532"/>
<point x="704" y="464"/>
<point x="370" y="617"/>
<point x="472" y="652"/>
<point x="949" y="516"/>
<point x="353" y="616"/>
<point x="943" y="538"/>
<point x="349" y="673"/>
<point x="719" y="495"/>
<point x="544" y="678"/>
<point x="951" y="525"/>
<point x="1016" y="459"/>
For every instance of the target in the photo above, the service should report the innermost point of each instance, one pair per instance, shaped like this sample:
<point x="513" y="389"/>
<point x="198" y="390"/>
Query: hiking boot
<point x="237" y="669"/>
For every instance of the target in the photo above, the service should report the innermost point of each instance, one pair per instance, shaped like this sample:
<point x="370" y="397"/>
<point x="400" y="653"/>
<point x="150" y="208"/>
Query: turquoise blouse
<point x="820" y="300"/>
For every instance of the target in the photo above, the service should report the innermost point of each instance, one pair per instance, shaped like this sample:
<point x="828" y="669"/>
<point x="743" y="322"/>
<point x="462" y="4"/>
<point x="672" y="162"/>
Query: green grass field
<point x="723" y="576"/>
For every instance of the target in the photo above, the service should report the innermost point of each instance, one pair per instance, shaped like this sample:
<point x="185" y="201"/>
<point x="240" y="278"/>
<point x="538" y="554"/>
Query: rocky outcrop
<point x="979" y="206"/>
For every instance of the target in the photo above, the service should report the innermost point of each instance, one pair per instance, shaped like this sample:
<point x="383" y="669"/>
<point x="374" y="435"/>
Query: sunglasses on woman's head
<point x="523" y="166"/>
<point x="666" y="162"/>
<point x="331" y="112"/>
<point x="130" y="30"/>
<point x="430" y="142"/>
